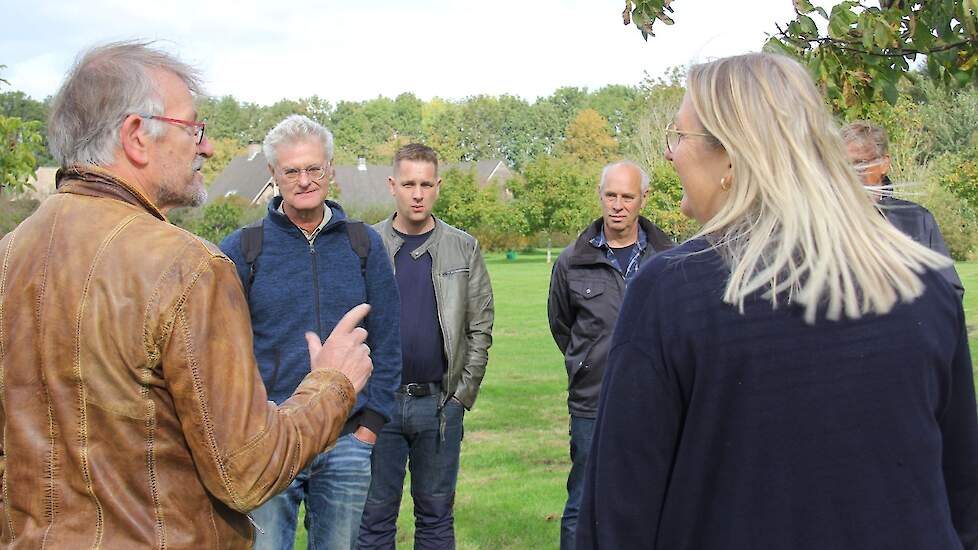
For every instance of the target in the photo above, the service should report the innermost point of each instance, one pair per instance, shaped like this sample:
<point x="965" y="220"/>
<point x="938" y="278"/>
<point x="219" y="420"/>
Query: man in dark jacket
<point x="308" y="246"/>
<point x="868" y="148"/>
<point x="586" y="290"/>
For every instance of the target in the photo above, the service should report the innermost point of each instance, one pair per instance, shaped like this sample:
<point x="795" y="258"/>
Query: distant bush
<point x="217" y="219"/>
<point x="947" y="185"/>
<point x="958" y="173"/>
<point x="12" y="212"/>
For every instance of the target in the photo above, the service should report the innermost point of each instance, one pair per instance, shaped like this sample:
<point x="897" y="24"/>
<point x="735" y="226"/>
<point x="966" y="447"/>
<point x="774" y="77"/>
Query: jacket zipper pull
<point x="258" y="527"/>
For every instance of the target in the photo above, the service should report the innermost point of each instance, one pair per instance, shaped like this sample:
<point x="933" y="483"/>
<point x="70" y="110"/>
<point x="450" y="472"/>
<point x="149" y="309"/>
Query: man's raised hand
<point x="345" y="350"/>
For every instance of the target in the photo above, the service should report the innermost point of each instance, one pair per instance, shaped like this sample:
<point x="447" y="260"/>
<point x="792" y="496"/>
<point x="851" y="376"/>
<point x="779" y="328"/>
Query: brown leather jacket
<point x="132" y="414"/>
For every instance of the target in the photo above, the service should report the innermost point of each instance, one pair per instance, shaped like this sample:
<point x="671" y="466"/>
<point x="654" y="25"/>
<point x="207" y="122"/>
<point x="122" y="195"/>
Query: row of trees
<point x="933" y="130"/>
<point x="934" y="133"/>
<point x="558" y="143"/>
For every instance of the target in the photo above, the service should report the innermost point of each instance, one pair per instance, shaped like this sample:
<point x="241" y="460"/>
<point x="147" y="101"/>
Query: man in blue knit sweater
<point x="308" y="246"/>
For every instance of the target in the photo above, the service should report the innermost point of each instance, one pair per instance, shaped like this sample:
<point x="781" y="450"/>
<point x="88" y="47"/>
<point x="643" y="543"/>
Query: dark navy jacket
<point x="299" y="288"/>
<point x="718" y="429"/>
<point x="919" y="224"/>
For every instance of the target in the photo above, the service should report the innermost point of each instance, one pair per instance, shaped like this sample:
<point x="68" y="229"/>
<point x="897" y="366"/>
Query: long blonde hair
<point x="797" y="222"/>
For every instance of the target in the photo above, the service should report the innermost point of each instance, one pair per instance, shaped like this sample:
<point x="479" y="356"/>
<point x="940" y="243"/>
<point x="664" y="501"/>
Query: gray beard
<point x="193" y="196"/>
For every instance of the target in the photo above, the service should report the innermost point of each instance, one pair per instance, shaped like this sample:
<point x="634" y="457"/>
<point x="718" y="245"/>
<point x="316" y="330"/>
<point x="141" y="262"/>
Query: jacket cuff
<point x="372" y="420"/>
<point x="334" y="382"/>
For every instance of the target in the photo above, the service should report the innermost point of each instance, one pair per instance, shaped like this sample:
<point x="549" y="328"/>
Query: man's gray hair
<point x="643" y="176"/>
<point x="866" y="134"/>
<point x="296" y="129"/>
<point x="105" y="85"/>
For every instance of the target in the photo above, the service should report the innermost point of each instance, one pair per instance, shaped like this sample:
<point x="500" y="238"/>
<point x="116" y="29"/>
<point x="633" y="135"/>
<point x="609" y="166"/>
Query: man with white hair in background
<point x="307" y="247"/>
<point x="587" y="286"/>
<point x="131" y="410"/>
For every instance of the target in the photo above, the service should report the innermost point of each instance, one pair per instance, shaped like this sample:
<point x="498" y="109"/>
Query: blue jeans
<point x="412" y="438"/>
<point x="581" y="433"/>
<point x="334" y="486"/>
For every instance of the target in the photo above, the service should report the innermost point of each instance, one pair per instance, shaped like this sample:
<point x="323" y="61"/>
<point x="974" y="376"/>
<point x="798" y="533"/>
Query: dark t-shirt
<point x="623" y="255"/>
<point x="422" y="349"/>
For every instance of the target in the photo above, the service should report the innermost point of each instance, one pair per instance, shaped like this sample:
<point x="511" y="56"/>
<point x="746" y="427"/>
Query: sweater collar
<point x="337" y="216"/>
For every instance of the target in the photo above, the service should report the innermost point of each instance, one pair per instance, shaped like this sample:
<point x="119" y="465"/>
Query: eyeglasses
<point x="198" y="127"/>
<point x="315" y="173"/>
<point x="674" y="136"/>
<point x="868" y="165"/>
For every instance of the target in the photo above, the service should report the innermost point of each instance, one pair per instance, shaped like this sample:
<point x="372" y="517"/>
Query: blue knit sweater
<point x="300" y="287"/>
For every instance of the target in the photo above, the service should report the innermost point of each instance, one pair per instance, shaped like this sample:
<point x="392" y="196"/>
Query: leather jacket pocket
<point x="455" y="272"/>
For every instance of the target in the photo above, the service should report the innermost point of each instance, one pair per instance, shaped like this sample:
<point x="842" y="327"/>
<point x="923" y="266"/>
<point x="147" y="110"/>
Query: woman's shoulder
<point x="691" y="260"/>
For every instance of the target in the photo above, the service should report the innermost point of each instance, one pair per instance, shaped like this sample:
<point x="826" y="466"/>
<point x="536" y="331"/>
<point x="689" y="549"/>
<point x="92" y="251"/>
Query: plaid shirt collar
<point x="600" y="242"/>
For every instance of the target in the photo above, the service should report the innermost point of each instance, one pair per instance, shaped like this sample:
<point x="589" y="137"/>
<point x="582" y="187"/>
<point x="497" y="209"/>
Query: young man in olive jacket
<point x="586" y="290"/>
<point x="446" y="331"/>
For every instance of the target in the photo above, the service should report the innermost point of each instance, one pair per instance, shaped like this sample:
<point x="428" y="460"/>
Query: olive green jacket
<point x="463" y="295"/>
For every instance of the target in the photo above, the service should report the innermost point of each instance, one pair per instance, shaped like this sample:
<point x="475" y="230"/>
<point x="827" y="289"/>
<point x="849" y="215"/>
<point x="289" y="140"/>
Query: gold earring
<point x="724" y="183"/>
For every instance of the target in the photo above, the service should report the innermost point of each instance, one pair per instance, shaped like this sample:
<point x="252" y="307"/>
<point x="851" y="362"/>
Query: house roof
<point x="246" y="175"/>
<point x="363" y="186"/>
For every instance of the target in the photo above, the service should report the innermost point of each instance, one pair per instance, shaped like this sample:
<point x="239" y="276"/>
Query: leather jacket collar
<point x="95" y="181"/>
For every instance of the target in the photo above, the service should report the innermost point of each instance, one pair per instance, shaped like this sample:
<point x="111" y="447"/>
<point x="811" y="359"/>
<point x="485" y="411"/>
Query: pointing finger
<point x="352" y="319"/>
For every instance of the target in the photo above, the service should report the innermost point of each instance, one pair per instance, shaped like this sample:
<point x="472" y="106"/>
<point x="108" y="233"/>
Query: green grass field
<point x="515" y="456"/>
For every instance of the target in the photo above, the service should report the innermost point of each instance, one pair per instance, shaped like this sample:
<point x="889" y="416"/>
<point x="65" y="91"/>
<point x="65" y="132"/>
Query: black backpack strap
<point x="251" y="241"/>
<point x="360" y="243"/>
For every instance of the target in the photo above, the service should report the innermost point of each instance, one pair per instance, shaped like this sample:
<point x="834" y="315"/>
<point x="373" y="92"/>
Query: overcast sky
<point x="266" y="51"/>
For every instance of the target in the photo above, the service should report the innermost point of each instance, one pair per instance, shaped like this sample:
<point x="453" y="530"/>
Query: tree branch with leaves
<point x="866" y="50"/>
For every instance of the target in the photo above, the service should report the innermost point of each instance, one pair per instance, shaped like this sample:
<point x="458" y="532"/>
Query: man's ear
<point x="135" y="140"/>
<point x="886" y="164"/>
<point x="391" y="183"/>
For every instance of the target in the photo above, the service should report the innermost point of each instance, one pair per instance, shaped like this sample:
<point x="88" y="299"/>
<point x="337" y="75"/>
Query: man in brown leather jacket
<point x="131" y="411"/>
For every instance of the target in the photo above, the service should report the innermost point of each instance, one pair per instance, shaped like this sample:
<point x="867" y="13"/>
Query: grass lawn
<point x="515" y="456"/>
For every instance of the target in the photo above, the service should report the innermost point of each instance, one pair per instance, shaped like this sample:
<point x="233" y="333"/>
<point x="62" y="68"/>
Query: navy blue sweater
<point x="757" y="431"/>
<point x="299" y="288"/>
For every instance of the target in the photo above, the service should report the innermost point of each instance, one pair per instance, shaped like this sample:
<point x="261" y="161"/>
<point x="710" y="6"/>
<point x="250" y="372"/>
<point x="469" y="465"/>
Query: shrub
<point x="14" y="211"/>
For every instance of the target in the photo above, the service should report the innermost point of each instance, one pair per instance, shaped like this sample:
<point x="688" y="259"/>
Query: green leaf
<point x="807" y="26"/>
<point x="776" y="46"/>
<point x="882" y="35"/>
<point x="963" y="78"/>
<point x="804" y="6"/>
<point x="840" y="21"/>
<point x="970" y="15"/>
<point x="890" y="93"/>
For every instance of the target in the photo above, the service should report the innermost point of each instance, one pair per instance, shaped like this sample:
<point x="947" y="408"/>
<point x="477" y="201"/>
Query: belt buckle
<point x="415" y="390"/>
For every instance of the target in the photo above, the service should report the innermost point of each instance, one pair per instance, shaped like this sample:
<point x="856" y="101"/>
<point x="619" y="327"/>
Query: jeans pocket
<point x="361" y="442"/>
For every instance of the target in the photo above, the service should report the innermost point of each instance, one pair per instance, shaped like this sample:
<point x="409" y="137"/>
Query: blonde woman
<point x="797" y="376"/>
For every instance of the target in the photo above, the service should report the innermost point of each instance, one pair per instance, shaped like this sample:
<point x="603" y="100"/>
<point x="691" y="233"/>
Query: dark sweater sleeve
<point x="384" y="337"/>
<point x="636" y="433"/>
<point x="558" y="306"/>
<point x="959" y="429"/>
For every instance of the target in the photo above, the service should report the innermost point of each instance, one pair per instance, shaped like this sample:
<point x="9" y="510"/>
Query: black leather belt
<point x="420" y="390"/>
